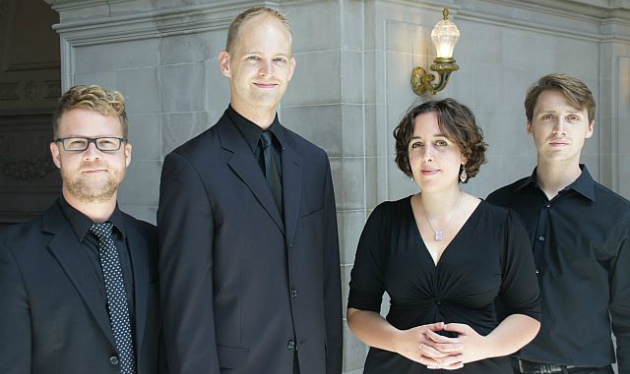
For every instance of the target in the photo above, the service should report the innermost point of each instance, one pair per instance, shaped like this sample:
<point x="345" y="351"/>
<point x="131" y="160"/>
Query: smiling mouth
<point x="266" y="85"/>
<point x="558" y="143"/>
<point x="93" y="171"/>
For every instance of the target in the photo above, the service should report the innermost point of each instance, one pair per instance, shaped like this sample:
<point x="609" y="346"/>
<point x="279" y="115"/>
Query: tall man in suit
<point x="249" y="258"/>
<point x="580" y="232"/>
<point x="78" y="285"/>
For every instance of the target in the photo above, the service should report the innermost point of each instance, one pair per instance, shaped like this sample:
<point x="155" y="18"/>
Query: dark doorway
<point x="30" y="83"/>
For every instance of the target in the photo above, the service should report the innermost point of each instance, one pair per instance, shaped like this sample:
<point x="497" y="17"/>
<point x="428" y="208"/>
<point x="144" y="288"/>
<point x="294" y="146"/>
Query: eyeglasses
<point x="80" y="144"/>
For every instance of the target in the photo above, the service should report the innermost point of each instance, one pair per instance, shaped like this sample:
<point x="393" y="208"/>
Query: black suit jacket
<point x="52" y="316"/>
<point x="235" y="278"/>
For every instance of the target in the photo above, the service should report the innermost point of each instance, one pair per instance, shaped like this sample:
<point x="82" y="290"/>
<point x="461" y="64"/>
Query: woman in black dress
<point x="443" y="256"/>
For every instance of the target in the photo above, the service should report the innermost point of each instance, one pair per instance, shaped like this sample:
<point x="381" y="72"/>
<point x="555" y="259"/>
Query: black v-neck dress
<point x="490" y="256"/>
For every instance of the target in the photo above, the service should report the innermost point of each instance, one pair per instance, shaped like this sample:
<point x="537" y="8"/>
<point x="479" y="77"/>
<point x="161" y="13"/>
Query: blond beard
<point x="85" y="194"/>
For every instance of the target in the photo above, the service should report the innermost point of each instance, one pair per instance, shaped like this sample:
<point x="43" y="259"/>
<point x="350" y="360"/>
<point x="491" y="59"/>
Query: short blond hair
<point x="95" y="98"/>
<point x="250" y="13"/>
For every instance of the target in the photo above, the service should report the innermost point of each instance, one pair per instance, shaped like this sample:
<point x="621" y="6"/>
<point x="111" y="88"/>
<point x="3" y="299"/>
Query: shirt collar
<point x="584" y="184"/>
<point x="251" y="131"/>
<point x="81" y="224"/>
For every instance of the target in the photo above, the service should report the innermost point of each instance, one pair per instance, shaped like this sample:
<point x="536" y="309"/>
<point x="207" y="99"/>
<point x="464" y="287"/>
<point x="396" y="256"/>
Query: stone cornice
<point x="148" y="24"/>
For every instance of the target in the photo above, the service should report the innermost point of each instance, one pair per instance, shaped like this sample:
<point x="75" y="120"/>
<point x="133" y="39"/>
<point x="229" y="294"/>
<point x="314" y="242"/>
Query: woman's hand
<point x="474" y="347"/>
<point x="416" y="345"/>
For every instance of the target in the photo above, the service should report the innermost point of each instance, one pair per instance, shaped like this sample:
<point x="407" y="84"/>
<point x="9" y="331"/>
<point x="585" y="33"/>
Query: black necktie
<point x="116" y="296"/>
<point x="272" y="172"/>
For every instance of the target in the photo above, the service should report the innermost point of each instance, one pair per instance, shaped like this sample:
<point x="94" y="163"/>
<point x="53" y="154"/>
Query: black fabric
<point x="489" y="256"/>
<point x="528" y="367"/>
<point x="581" y="245"/>
<point x="272" y="168"/>
<point x="242" y="286"/>
<point x="53" y="318"/>
<point x="251" y="132"/>
<point x="81" y="226"/>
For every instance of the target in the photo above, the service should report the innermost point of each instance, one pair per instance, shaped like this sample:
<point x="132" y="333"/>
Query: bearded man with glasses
<point x="78" y="285"/>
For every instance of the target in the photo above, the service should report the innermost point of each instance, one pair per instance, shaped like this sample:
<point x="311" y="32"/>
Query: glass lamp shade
<point x="445" y="35"/>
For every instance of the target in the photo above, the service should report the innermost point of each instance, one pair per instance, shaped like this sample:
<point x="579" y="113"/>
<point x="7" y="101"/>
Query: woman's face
<point x="435" y="160"/>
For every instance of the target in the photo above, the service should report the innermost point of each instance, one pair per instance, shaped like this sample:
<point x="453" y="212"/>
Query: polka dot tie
<point x="116" y="297"/>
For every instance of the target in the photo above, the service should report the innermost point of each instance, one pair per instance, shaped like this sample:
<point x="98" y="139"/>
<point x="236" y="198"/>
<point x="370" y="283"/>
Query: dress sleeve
<point x="366" y="282"/>
<point x="520" y="293"/>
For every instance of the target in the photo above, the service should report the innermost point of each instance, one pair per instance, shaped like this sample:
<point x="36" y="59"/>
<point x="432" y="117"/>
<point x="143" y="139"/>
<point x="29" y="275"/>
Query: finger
<point x="428" y="362"/>
<point x="431" y="352"/>
<point x="452" y="360"/>
<point x="457" y="327"/>
<point x="438" y="326"/>
<point x="440" y="339"/>
<point x="454" y="366"/>
<point x="448" y="349"/>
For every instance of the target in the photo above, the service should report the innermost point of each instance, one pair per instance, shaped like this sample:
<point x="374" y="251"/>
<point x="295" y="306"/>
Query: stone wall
<point x="351" y="85"/>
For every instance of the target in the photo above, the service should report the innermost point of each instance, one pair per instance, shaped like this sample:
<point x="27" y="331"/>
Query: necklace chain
<point x="439" y="234"/>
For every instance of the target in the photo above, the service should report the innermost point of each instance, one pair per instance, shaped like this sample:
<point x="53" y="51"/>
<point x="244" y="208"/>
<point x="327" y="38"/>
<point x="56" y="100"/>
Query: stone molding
<point x="30" y="90"/>
<point x="601" y="22"/>
<point x="148" y="24"/>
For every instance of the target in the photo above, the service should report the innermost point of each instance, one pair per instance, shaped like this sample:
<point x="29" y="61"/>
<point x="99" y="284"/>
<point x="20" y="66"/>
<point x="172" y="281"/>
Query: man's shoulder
<point x="23" y="235"/>
<point x="614" y="203"/>
<point x="304" y="147"/>
<point x="504" y="195"/>
<point x="200" y="143"/>
<point x="142" y="226"/>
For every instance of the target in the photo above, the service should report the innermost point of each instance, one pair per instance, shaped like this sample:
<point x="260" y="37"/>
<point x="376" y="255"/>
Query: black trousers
<point x="564" y="370"/>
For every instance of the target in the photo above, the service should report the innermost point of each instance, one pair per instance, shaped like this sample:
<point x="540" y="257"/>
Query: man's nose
<point x="266" y="68"/>
<point x="92" y="153"/>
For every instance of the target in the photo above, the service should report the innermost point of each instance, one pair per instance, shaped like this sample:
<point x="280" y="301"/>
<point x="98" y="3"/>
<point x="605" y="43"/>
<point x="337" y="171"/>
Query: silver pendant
<point x="439" y="235"/>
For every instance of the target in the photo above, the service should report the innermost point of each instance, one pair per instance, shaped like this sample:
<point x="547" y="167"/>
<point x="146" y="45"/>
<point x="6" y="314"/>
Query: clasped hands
<point x="423" y="345"/>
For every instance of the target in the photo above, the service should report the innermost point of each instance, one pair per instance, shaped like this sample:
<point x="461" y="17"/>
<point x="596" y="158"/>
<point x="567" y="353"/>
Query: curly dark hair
<point x="456" y="121"/>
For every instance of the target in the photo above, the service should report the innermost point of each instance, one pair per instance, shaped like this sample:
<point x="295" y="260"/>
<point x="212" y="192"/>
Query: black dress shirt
<point x="81" y="227"/>
<point x="252" y="133"/>
<point x="581" y="244"/>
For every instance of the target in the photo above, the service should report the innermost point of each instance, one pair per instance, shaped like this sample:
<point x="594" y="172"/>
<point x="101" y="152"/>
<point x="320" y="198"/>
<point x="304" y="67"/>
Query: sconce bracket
<point x="421" y="82"/>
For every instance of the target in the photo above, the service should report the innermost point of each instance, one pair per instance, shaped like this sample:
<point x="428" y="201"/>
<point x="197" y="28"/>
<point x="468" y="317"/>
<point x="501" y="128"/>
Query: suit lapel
<point x="291" y="188"/>
<point x="68" y="252"/>
<point x="243" y="163"/>
<point x="139" y="260"/>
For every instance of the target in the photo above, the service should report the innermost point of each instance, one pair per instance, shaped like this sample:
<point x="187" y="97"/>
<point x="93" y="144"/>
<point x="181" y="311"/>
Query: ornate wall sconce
<point x="444" y="35"/>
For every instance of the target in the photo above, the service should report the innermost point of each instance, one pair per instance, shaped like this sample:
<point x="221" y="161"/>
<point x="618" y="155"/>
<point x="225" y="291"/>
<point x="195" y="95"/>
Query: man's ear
<point x="292" y="64"/>
<point x="54" y="152"/>
<point x="128" y="148"/>
<point x="224" y="63"/>
<point x="590" y="130"/>
<point x="529" y="128"/>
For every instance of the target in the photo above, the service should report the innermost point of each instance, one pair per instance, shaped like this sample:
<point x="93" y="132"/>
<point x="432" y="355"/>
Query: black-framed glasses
<point x="80" y="144"/>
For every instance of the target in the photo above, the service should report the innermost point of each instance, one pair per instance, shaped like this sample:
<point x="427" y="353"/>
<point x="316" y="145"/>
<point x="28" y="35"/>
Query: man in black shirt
<point x="580" y="232"/>
<point x="78" y="285"/>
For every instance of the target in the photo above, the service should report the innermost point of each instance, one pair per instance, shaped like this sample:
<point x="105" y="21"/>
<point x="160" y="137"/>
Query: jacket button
<point x="294" y="293"/>
<point x="541" y="238"/>
<point x="114" y="360"/>
<point x="291" y="345"/>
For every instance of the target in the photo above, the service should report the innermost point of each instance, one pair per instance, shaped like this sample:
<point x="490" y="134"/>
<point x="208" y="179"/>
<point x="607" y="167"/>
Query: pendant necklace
<point x="439" y="234"/>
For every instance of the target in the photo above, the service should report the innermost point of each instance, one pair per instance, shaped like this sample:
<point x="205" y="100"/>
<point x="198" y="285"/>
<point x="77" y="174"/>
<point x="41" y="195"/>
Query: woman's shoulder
<point x="393" y="207"/>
